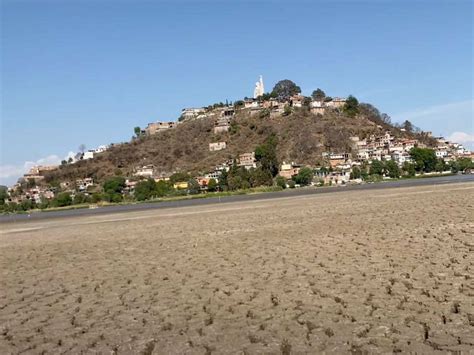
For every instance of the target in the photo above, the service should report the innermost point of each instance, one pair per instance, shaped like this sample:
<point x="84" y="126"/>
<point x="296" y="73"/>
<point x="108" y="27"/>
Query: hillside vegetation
<point x="301" y="136"/>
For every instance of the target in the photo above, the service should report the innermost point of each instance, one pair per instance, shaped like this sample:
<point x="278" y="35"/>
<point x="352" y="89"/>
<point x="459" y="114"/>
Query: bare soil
<point x="361" y="271"/>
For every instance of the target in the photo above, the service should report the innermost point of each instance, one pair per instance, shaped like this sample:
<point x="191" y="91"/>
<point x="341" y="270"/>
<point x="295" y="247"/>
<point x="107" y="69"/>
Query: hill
<point x="302" y="137"/>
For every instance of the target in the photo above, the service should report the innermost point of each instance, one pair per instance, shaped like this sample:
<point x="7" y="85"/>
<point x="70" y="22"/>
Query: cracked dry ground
<point x="380" y="271"/>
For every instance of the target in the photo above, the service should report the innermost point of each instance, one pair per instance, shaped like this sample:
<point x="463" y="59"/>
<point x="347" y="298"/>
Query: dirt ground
<point x="387" y="270"/>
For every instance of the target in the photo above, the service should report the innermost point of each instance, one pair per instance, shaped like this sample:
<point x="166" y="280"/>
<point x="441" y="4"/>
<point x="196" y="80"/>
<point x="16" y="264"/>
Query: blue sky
<point x="88" y="71"/>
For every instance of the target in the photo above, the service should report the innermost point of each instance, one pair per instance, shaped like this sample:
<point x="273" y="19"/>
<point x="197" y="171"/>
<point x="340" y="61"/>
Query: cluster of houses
<point x="38" y="193"/>
<point x="224" y="113"/>
<point x="375" y="147"/>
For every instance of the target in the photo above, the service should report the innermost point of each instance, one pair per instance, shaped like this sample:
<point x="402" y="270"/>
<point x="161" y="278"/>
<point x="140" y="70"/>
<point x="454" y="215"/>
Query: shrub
<point x="280" y="181"/>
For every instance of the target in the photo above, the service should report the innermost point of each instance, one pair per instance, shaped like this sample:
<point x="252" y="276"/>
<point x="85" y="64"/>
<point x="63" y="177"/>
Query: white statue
<point x="259" y="88"/>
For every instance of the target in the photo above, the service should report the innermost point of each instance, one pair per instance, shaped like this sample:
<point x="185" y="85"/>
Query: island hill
<point x="275" y="138"/>
<point x="205" y="138"/>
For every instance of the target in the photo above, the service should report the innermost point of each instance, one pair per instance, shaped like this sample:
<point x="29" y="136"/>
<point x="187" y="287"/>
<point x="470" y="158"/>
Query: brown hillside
<point x="302" y="138"/>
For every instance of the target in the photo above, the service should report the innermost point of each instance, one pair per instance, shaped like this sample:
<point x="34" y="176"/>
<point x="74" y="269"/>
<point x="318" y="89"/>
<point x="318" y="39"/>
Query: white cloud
<point x="9" y="174"/>
<point x="461" y="137"/>
<point x="443" y="119"/>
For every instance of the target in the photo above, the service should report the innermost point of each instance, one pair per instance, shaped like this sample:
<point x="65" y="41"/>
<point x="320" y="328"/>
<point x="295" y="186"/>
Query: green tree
<point x="408" y="126"/>
<point x="163" y="188"/>
<point x="145" y="189"/>
<point x="440" y="166"/>
<point x="193" y="187"/>
<point x="377" y="167"/>
<point x="465" y="163"/>
<point x="80" y="198"/>
<point x="260" y="177"/>
<point x="113" y="188"/>
<point x="138" y="131"/>
<point x="318" y="95"/>
<point x="179" y="177"/>
<point x="223" y="180"/>
<point x="114" y="184"/>
<point x="280" y="181"/>
<point x="351" y="106"/>
<point x="355" y="173"/>
<point x="212" y="185"/>
<point x="304" y="177"/>
<point x="392" y="169"/>
<point x="62" y="199"/>
<point x="424" y="158"/>
<point x="96" y="197"/>
<point x="284" y="89"/>
<point x="27" y="205"/>
<point x="3" y="194"/>
<point x="408" y="169"/>
<point x="266" y="155"/>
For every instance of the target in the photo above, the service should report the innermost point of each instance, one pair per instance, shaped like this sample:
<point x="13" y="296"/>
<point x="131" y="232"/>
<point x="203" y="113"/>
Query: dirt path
<point x="380" y="271"/>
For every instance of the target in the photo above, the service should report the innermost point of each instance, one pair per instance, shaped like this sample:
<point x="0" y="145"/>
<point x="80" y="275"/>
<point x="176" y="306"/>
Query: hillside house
<point x="181" y="185"/>
<point x="191" y="113"/>
<point x="156" y="127"/>
<point x="213" y="147"/>
<point x="318" y="110"/>
<point x="297" y="100"/>
<point x="336" y="102"/>
<point x="145" y="171"/>
<point x="228" y="112"/>
<point x="222" y="125"/>
<point x="251" y="104"/>
<point x="288" y="170"/>
<point x="88" y="155"/>
<point x="336" y="158"/>
<point x="247" y="160"/>
<point x="83" y="184"/>
<point x="203" y="181"/>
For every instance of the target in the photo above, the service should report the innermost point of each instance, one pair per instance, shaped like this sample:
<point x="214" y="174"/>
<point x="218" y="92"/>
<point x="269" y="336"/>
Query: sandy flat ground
<point x="380" y="271"/>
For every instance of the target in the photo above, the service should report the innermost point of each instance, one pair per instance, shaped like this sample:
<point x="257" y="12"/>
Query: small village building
<point x="247" y="160"/>
<point x="297" y="100"/>
<point x="228" y="112"/>
<point x="336" y="102"/>
<point x="190" y="113"/>
<point x="203" y="181"/>
<point x="156" y="127"/>
<point x="222" y="125"/>
<point x="83" y="184"/>
<point x="145" y="171"/>
<point x="318" y="110"/>
<point x="181" y="185"/>
<point x="251" y="104"/>
<point x="217" y="146"/>
<point x="288" y="170"/>
<point x="88" y="155"/>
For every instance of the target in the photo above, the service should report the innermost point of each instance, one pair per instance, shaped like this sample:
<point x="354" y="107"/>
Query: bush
<point x="114" y="185"/>
<point x="355" y="173"/>
<point x="392" y="169"/>
<point x="81" y="198"/>
<point x="424" y="158"/>
<point x="96" y="197"/>
<point x="144" y="190"/>
<point x="280" y="181"/>
<point x="212" y="185"/>
<point x="291" y="184"/>
<point x="304" y="177"/>
<point x="62" y="199"/>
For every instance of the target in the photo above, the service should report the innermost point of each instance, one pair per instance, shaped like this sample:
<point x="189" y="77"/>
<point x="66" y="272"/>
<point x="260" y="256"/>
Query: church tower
<point x="259" y="88"/>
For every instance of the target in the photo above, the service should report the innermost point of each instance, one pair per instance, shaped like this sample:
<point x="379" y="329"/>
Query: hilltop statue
<point x="259" y="88"/>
